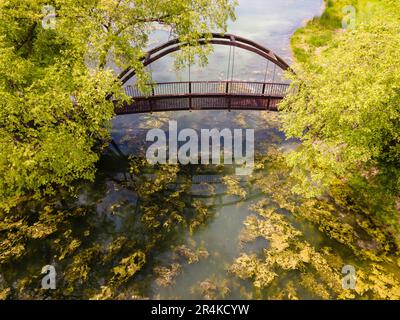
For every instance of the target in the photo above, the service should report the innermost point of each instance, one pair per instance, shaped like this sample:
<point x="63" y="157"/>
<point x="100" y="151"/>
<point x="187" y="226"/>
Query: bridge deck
<point x="205" y="95"/>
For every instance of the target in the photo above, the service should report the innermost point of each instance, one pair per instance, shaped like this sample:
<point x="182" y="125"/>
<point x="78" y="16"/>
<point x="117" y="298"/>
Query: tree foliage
<point x="54" y="118"/>
<point x="346" y="111"/>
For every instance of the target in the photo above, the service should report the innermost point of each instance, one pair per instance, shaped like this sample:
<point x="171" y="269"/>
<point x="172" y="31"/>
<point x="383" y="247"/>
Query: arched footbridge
<point x="226" y="94"/>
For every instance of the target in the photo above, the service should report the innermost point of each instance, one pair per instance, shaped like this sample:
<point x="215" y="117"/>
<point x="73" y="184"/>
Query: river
<point x="216" y="242"/>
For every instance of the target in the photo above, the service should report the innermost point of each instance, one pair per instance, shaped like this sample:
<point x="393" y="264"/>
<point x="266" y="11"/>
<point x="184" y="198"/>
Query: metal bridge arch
<point x="217" y="39"/>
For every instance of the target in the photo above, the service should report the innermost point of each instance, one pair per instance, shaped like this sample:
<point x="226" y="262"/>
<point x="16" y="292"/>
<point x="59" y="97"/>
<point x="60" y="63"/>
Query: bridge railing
<point x="188" y="88"/>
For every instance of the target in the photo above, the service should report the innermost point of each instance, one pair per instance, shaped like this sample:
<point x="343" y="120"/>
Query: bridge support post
<point x="151" y="100"/>
<point x="228" y="96"/>
<point x="190" y="96"/>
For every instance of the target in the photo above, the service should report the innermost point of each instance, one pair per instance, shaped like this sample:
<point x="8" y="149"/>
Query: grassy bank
<point x="321" y="31"/>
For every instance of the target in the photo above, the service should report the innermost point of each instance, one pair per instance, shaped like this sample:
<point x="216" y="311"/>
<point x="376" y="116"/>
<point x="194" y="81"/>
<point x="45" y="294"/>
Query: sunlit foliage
<point x="54" y="117"/>
<point x="346" y="111"/>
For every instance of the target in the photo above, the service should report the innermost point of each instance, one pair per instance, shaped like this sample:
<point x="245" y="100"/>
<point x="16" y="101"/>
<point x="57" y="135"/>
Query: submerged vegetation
<point x="109" y="250"/>
<point x="348" y="236"/>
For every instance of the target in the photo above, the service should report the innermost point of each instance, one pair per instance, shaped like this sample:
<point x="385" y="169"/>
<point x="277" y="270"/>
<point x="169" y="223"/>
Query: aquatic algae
<point x="293" y="254"/>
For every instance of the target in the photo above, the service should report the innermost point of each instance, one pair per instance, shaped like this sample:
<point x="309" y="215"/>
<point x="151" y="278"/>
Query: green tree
<point x="54" y="118"/>
<point x="346" y="111"/>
